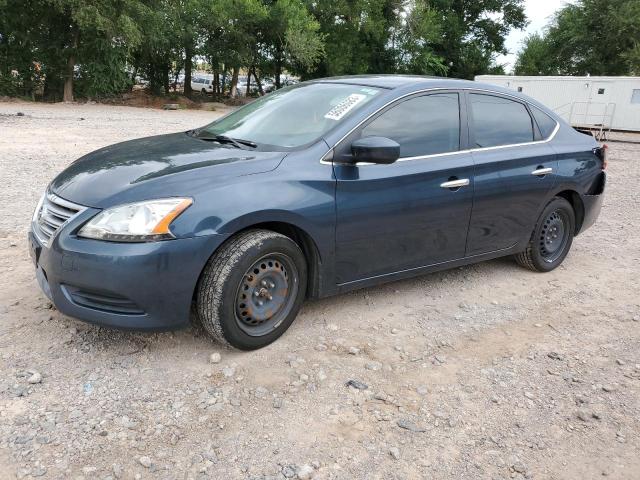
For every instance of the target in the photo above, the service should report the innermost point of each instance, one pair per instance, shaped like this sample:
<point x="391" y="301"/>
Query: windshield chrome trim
<point x="424" y="157"/>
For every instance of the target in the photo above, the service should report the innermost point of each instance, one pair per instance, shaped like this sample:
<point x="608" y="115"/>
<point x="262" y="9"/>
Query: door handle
<point x="462" y="182"/>
<point x="541" y="172"/>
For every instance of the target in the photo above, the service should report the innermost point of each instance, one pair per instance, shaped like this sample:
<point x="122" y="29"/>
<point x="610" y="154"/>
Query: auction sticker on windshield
<point x="342" y="108"/>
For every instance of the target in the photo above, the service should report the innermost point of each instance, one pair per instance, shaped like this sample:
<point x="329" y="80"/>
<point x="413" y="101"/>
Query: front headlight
<point x="136" y="222"/>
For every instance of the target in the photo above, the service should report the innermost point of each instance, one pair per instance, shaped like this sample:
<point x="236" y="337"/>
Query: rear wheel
<point x="551" y="238"/>
<point x="251" y="289"/>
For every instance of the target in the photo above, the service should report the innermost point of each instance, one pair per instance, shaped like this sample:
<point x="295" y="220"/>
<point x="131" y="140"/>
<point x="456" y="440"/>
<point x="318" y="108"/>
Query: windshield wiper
<point x="236" y="142"/>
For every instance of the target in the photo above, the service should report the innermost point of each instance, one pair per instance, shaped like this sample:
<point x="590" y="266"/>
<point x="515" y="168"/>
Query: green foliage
<point x="59" y="39"/>
<point x="474" y="31"/>
<point x="9" y="85"/>
<point x="597" y="37"/>
<point x="534" y="58"/>
<point x="98" y="47"/>
<point x="418" y="31"/>
<point x="297" y="34"/>
<point x="106" y="74"/>
<point x="452" y="37"/>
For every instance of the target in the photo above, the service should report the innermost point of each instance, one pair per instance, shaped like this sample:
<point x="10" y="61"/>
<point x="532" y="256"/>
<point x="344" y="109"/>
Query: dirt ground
<point x="483" y="372"/>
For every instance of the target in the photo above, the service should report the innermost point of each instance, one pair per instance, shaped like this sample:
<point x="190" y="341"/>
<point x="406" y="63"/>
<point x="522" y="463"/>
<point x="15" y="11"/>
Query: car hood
<point x="154" y="167"/>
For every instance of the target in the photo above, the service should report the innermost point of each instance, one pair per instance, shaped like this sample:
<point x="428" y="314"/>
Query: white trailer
<point x="608" y="103"/>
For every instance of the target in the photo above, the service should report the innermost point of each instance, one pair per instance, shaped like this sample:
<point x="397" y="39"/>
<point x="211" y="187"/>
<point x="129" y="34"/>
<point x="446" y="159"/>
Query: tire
<point x="251" y="289"/>
<point x="203" y="91"/>
<point x="551" y="238"/>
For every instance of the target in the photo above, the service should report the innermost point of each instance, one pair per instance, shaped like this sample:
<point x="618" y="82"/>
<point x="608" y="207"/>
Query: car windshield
<point x="293" y="116"/>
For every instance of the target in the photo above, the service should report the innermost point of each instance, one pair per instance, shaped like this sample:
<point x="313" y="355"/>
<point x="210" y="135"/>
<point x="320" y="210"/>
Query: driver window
<point x="425" y="125"/>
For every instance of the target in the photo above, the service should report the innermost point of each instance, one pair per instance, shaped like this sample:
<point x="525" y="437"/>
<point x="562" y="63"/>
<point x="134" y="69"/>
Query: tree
<point x="161" y="51"/>
<point x="19" y="35"/>
<point x="81" y="30"/>
<point x="413" y="38"/>
<point x="97" y="47"/>
<point x="454" y="37"/>
<point x="357" y="35"/>
<point x="534" y="58"/>
<point x="473" y="31"/>
<point x="231" y="29"/>
<point x="291" y="38"/>
<point x="597" y="37"/>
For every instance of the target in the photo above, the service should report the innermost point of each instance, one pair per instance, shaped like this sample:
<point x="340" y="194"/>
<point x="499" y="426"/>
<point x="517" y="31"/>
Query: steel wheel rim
<point x="266" y="294"/>
<point x="554" y="236"/>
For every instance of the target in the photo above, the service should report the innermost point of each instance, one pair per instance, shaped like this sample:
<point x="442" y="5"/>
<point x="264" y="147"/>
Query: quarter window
<point x="499" y="121"/>
<point x="546" y="124"/>
<point x="423" y="125"/>
<point x="635" y="95"/>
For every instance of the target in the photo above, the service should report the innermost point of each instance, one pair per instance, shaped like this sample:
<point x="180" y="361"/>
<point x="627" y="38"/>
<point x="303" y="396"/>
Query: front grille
<point x="105" y="302"/>
<point x="54" y="213"/>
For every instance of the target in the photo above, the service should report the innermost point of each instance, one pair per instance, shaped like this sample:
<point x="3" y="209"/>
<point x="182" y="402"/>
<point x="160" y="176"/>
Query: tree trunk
<point x="165" y="78"/>
<point x="134" y="74"/>
<point x="223" y="83"/>
<point x="188" y="63"/>
<point x="234" y="82"/>
<point x="67" y="95"/>
<point x="175" y="81"/>
<point x="248" y="90"/>
<point x="278" y="68"/>
<point x="258" y="82"/>
<point x="216" y="82"/>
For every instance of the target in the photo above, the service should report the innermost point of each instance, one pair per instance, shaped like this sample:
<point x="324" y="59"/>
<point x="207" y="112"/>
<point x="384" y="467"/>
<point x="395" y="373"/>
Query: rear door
<point x="515" y="168"/>
<point x="402" y="216"/>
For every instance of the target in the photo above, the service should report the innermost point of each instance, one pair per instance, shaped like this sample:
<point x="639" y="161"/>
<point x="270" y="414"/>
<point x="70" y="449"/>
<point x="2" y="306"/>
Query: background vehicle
<point x="202" y="83"/>
<point x="267" y="85"/>
<point x="318" y="189"/>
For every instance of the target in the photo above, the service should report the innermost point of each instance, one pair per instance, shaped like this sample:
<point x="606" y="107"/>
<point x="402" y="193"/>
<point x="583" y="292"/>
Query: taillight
<point x="601" y="153"/>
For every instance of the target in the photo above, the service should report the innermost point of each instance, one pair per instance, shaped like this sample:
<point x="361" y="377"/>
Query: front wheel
<point x="251" y="289"/>
<point x="551" y="238"/>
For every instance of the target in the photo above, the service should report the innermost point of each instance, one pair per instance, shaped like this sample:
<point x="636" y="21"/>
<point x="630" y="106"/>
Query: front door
<point x="405" y="215"/>
<point x="514" y="170"/>
<point x="599" y="109"/>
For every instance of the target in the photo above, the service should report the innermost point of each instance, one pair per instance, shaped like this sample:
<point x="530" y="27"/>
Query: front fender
<point x="299" y="193"/>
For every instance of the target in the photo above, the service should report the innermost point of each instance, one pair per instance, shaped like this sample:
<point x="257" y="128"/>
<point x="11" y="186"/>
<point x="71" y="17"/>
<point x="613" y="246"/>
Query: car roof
<point x="397" y="81"/>
<point x="409" y="83"/>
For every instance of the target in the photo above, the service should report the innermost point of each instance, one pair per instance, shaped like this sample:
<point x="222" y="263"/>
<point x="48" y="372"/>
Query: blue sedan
<point x="314" y="190"/>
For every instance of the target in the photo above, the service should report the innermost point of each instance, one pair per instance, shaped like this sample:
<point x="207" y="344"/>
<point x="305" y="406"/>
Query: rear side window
<point x="424" y="125"/>
<point x="546" y="124"/>
<point x="499" y="121"/>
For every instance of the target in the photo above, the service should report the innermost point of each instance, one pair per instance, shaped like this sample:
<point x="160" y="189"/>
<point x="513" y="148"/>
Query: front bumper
<point x="140" y="286"/>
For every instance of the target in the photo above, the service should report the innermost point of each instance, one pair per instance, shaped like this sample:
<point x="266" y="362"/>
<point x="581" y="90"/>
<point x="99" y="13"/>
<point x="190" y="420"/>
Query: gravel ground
<point x="488" y="371"/>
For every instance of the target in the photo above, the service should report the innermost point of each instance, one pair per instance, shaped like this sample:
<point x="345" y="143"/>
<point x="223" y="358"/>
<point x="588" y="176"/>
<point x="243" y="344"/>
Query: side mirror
<point x="380" y="150"/>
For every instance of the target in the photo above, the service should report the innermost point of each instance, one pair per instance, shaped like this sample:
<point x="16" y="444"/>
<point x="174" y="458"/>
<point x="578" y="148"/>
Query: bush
<point x="104" y="74"/>
<point x="10" y="86"/>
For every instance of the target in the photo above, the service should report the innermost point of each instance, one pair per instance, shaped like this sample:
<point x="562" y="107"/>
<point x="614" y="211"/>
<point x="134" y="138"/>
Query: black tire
<point x="203" y="91"/>
<point x="551" y="238"/>
<point x="251" y="289"/>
